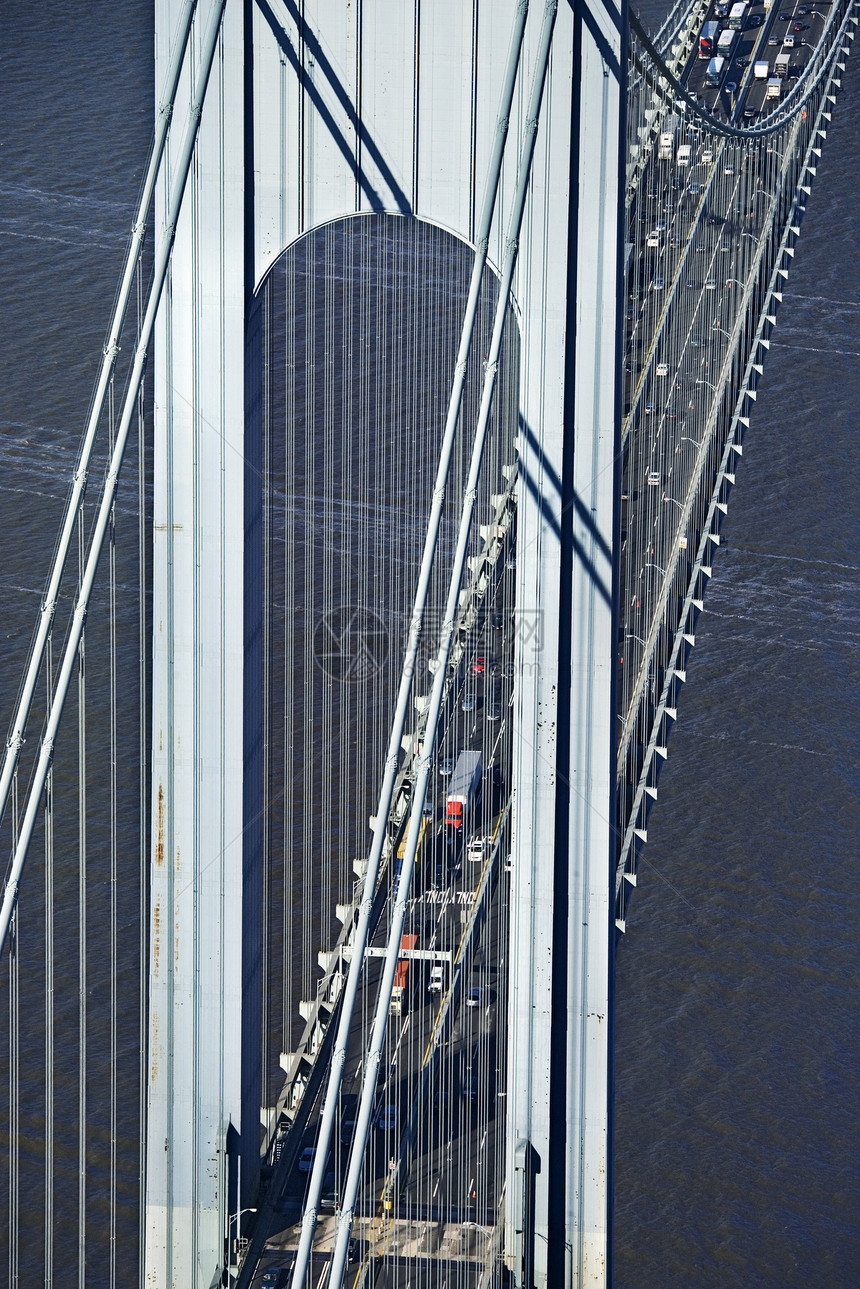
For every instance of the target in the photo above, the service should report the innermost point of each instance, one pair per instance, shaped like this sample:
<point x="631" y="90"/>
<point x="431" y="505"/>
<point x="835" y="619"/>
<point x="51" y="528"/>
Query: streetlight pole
<point x="233" y="1256"/>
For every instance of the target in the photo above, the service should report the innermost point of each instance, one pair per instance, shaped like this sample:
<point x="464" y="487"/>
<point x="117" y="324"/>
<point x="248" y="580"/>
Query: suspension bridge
<point x="331" y="766"/>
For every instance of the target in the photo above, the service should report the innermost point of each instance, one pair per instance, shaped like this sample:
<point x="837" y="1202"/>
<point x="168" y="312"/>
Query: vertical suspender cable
<point x="372" y="1057"/>
<point x="14" y="1097"/>
<point x="49" y="998"/>
<point x="183" y="165"/>
<point x="112" y="663"/>
<point x="46" y="613"/>
<point x="14" y="1087"/>
<point x="82" y="937"/>
<point x="380" y="828"/>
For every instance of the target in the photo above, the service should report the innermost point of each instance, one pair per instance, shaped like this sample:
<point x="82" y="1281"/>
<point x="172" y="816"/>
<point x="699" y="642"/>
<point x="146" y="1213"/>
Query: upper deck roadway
<point x="740" y="97"/>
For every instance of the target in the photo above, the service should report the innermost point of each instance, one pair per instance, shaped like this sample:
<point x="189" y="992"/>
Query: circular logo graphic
<point x="350" y="643"/>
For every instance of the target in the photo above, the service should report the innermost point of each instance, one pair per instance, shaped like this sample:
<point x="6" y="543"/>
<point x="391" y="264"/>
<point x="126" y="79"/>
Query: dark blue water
<point x="737" y="1027"/>
<point x="737" y="1030"/>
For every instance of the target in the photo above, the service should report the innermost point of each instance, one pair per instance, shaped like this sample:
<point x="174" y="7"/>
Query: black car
<point x="275" y="1278"/>
<point x="756" y="20"/>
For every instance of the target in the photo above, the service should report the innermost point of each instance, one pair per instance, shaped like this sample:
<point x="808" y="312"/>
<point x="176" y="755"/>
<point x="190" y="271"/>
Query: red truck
<point x="463" y="789"/>
<point x="708" y="39"/>
<point x="399" y="990"/>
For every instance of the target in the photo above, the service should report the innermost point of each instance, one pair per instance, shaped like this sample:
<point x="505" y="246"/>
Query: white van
<point x="477" y="849"/>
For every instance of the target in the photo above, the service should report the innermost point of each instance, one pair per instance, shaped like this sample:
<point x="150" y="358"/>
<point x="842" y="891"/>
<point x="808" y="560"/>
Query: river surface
<point x="737" y="1116"/>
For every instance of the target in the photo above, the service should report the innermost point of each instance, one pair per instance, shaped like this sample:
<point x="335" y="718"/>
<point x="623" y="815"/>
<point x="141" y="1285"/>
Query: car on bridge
<point x="275" y="1278"/>
<point x="756" y="20"/>
<point x="306" y="1159"/>
<point x="478" y="848"/>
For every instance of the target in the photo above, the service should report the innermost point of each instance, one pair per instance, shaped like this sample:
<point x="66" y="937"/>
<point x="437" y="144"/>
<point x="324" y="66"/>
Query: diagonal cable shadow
<point x="573" y="501"/>
<point x="363" y="138"/>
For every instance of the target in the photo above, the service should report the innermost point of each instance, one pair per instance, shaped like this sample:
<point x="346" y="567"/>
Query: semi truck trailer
<point x="463" y="789"/>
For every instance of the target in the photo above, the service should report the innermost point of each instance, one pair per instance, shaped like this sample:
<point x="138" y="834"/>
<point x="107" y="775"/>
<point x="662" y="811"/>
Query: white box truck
<point x="761" y="71"/>
<point x="714" y="74"/>
<point x="774" y="87"/>
<point x="726" y="42"/>
<point x="781" y="65"/>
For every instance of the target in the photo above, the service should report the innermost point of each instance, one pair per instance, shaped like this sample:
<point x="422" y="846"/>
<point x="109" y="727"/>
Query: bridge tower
<point x="316" y="112"/>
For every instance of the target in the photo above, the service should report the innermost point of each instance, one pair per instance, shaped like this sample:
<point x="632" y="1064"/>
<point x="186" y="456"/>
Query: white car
<point x="478" y="847"/>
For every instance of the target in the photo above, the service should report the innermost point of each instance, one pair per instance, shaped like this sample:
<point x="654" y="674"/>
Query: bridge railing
<point x="711" y="228"/>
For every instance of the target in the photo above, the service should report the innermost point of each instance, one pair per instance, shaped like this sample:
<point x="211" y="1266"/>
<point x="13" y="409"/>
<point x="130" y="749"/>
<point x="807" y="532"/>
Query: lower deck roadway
<point x="447" y="1207"/>
<point x="450" y="1188"/>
